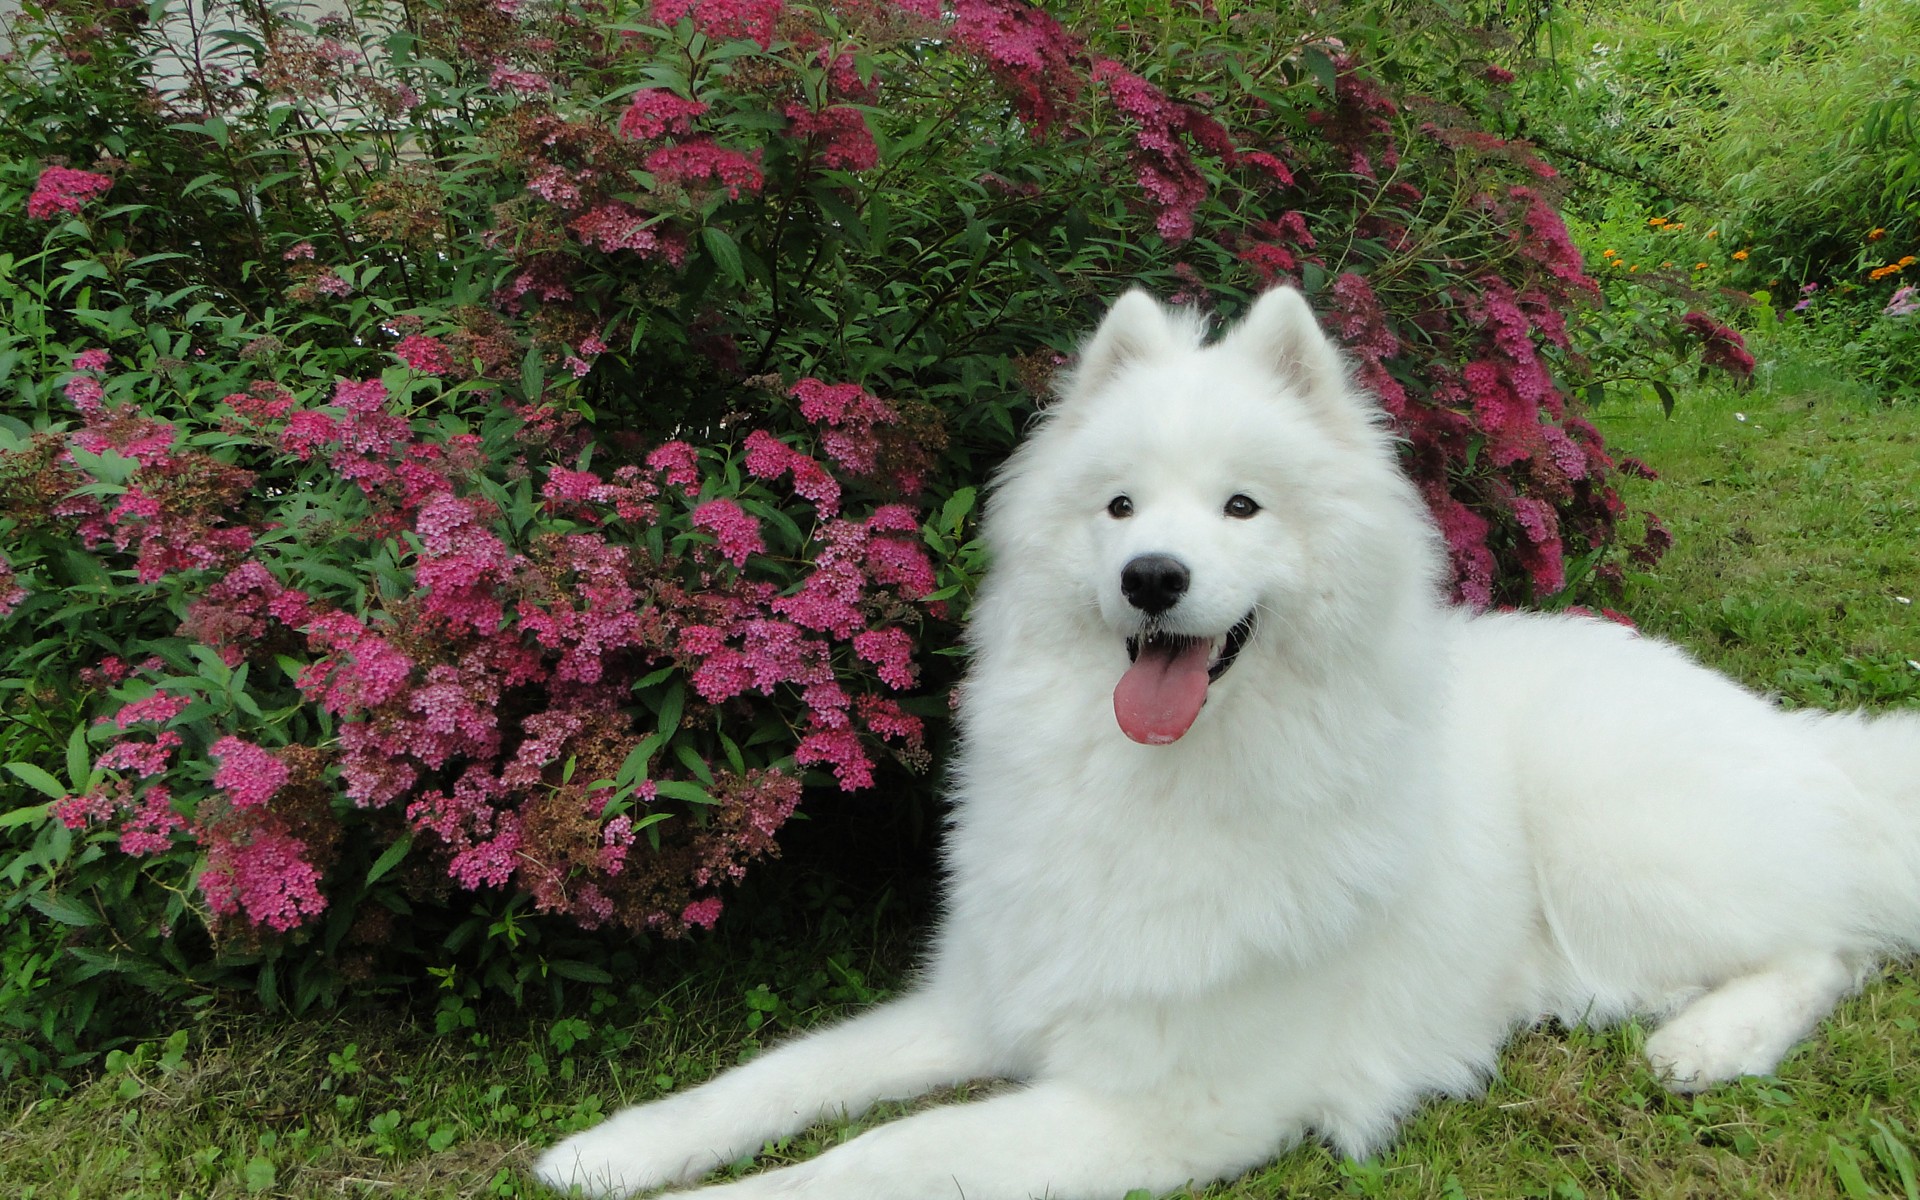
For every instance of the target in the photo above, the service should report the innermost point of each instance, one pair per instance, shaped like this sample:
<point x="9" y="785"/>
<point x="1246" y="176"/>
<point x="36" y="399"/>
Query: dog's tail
<point x="1880" y="753"/>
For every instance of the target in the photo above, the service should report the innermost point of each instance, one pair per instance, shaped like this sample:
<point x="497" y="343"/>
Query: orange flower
<point x="1908" y="261"/>
<point x="1666" y="264"/>
<point x="1739" y="256"/>
<point x="1879" y="273"/>
<point x="1608" y="253"/>
<point x="1634" y="267"/>
<point x="1656" y="222"/>
<point x="1699" y="266"/>
<point x="1876" y="233"/>
<point x="1713" y="233"/>
<point x="1678" y="225"/>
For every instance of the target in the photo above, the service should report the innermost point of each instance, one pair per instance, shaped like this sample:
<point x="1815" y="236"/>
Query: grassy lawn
<point x="1796" y="516"/>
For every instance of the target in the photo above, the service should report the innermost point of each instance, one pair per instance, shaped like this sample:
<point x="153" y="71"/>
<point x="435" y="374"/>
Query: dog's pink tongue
<point x="1161" y="693"/>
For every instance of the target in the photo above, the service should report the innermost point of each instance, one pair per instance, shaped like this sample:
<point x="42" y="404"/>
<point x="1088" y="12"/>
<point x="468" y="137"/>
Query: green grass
<point x="1795" y="538"/>
<point x="1795" y="519"/>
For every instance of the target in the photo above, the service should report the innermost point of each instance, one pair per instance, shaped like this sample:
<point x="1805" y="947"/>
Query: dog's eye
<point x="1119" y="507"/>
<point x="1241" y="506"/>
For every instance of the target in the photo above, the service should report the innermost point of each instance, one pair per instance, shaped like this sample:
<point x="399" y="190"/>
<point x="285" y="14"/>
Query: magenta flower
<point x="696" y="162"/>
<point x="527" y="83"/>
<point x="158" y="708"/>
<point x="655" y="113"/>
<point x="64" y="190"/>
<point x="841" y="133"/>
<point x="268" y="877"/>
<point x="737" y="533"/>
<point x="702" y="912"/>
<point x="720" y="19"/>
<point x="11" y="593"/>
<point x="1721" y="345"/>
<point x="679" y="461"/>
<point x="249" y="775"/>
<point x="424" y="354"/>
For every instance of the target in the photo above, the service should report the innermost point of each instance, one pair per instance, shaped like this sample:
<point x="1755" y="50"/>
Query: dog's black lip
<point x="1236" y="638"/>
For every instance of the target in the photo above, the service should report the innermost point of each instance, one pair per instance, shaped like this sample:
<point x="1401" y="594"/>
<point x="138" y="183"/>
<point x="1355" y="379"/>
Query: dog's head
<point x="1199" y="504"/>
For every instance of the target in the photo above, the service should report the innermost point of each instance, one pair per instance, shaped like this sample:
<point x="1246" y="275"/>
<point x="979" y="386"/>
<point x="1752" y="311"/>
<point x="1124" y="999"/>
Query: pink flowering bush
<point x="521" y="518"/>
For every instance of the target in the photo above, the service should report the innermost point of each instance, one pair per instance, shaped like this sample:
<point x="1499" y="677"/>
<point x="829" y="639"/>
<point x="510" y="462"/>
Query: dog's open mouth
<point x="1161" y="693"/>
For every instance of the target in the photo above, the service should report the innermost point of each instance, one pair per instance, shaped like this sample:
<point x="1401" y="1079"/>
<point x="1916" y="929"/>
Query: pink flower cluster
<point x="735" y="533"/>
<point x="1032" y="55"/>
<point x="724" y="19"/>
<point x="424" y="354"/>
<point x="617" y="225"/>
<point x="365" y="441"/>
<point x="1163" y="166"/>
<point x="702" y="162"/>
<point x="174" y="513"/>
<point x="11" y="593"/>
<point x="839" y="134"/>
<point x="655" y="113"/>
<point x="849" y="418"/>
<point x="248" y="775"/>
<point x="418" y="688"/>
<point x="64" y="190"/>
<point x="1721" y="345"/>
<point x="264" y="873"/>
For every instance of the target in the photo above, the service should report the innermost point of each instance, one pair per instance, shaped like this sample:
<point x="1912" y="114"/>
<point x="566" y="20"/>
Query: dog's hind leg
<point x="1050" y="1140"/>
<point x="900" y="1049"/>
<point x="1746" y="1025"/>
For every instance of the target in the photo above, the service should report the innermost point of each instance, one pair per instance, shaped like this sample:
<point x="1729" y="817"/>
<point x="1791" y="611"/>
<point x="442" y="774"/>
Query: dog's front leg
<point x="1051" y="1139"/>
<point x="899" y="1049"/>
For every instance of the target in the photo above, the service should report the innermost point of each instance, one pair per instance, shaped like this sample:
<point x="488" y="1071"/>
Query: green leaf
<point x="680" y="789"/>
<point x="37" y="779"/>
<point x="671" y="706"/>
<point x="1322" y="68"/>
<point x="389" y="859"/>
<point x="690" y="758"/>
<point x="1846" y="1168"/>
<point x="652" y="677"/>
<point x="30" y="815"/>
<point x="737" y="760"/>
<point x="567" y="968"/>
<point x="633" y="768"/>
<point x="725" y="252"/>
<point x="532" y="375"/>
<point x="955" y="510"/>
<point x="79" y="762"/>
<point x="64" y="910"/>
<point x="1666" y="396"/>
<point x="258" y="1175"/>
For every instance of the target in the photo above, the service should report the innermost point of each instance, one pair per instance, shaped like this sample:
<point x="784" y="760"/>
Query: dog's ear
<point x="1281" y="333"/>
<point x="1135" y="329"/>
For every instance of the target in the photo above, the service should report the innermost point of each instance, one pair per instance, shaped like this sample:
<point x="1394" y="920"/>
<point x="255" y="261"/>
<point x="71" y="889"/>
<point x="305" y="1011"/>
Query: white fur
<point x="1396" y="832"/>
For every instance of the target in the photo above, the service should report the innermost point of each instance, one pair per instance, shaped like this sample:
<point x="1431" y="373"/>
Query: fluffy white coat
<point x="1396" y="831"/>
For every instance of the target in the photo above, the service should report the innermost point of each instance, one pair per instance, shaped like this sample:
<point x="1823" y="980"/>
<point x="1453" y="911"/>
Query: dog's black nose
<point x="1154" y="583"/>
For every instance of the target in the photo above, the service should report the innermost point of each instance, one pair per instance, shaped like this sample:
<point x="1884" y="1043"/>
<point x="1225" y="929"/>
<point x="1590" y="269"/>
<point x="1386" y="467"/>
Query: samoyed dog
<point x="1255" y="838"/>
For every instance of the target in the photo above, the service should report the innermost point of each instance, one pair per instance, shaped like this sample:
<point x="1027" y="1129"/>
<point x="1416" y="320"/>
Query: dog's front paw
<point x="1691" y="1055"/>
<point x="631" y="1152"/>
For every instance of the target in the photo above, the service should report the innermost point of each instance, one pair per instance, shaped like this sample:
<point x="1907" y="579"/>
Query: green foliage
<point x="1790" y="126"/>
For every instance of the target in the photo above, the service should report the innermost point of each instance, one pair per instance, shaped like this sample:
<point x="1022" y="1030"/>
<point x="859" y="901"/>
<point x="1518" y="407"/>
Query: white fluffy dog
<point x="1256" y="838"/>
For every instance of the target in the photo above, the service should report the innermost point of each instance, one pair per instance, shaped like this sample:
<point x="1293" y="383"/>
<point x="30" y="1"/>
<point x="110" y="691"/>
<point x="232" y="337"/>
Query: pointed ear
<point x="1135" y="329"/>
<point x="1280" y="333"/>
